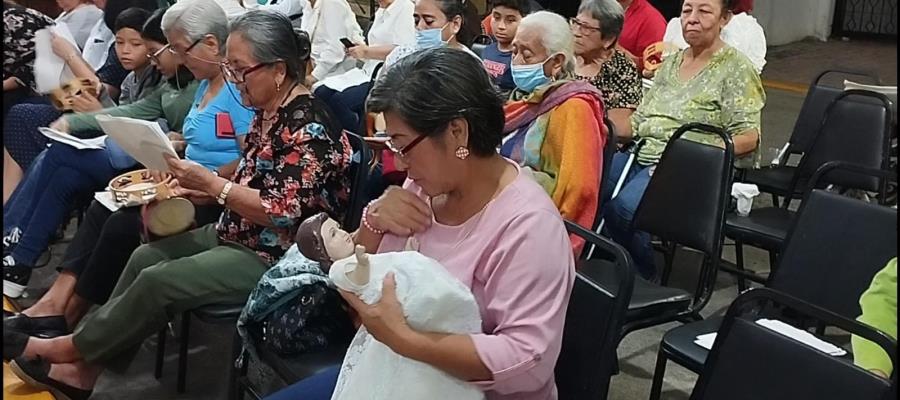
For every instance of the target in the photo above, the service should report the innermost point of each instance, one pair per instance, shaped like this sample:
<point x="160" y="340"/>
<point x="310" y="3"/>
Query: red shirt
<point x="644" y="25"/>
<point x="742" y="6"/>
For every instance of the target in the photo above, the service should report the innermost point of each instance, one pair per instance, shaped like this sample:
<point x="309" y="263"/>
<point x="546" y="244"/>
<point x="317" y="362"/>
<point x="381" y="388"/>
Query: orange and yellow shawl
<point x="559" y="134"/>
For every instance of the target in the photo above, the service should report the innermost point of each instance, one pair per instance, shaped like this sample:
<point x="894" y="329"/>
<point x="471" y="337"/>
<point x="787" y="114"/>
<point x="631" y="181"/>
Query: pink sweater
<point x="516" y="258"/>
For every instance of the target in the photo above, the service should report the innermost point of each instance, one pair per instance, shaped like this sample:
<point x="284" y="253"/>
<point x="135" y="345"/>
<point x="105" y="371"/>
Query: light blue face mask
<point x="430" y="38"/>
<point x="529" y="76"/>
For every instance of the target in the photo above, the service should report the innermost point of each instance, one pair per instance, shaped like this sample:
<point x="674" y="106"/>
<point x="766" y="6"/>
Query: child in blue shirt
<point x="505" y="17"/>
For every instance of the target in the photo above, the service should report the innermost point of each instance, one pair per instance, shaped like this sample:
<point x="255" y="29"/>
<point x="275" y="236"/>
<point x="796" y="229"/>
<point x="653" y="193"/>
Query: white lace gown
<point x="432" y="301"/>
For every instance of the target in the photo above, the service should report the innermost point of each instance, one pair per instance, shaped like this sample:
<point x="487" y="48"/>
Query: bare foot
<point x="78" y="374"/>
<point x="56" y="350"/>
<point x="44" y="309"/>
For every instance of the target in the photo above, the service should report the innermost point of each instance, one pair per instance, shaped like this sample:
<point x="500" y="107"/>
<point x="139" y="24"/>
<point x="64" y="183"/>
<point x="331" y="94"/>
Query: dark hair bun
<point x="304" y="45"/>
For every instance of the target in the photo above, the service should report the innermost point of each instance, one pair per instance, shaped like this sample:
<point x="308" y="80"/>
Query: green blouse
<point x="879" y="310"/>
<point x="727" y="93"/>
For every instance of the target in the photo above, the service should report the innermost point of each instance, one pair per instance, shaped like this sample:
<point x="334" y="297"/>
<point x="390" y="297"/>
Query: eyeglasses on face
<point x="404" y="151"/>
<point x="240" y="75"/>
<point x="187" y="50"/>
<point x="583" y="27"/>
<point x="154" y="57"/>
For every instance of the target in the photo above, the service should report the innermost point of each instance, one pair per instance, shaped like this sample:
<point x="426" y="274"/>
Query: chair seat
<point x="218" y="313"/>
<point x="775" y="180"/>
<point x="678" y="343"/>
<point x="296" y="368"/>
<point x="766" y="228"/>
<point x="647" y="300"/>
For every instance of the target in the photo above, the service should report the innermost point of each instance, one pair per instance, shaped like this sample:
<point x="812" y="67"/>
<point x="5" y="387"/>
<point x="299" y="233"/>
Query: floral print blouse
<point x="300" y="167"/>
<point x="727" y="93"/>
<point x="19" y="26"/>
<point x="618" y="81"/>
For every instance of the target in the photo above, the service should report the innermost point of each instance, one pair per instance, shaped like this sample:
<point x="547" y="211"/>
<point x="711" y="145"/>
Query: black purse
<point x="315" y="318"/>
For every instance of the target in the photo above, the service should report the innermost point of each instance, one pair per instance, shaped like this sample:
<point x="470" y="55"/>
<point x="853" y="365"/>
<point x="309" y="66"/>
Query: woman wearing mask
<point x="451" y="23"/>
<point x="554" y="124"/>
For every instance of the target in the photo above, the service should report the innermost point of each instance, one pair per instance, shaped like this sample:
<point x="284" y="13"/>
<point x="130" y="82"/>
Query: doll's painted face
<point x="338" y="243"/>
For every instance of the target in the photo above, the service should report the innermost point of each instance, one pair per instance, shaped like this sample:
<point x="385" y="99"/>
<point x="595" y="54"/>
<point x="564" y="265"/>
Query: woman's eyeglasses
<point x="583" y="27"/>
<point x="240" y="75"/>
<point x="188" y="49"/>
<point x="154" y="57"/>
<point x="404" y="151"/>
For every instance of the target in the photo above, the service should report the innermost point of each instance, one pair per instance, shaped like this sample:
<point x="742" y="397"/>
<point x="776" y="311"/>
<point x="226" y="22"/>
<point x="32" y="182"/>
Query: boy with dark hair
<point x="505" y="16"/>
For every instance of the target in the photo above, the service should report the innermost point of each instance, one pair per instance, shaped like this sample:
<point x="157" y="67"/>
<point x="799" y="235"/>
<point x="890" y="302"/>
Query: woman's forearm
<point x="746" y="142"/>
<point x="10" y="84"/>
<point x="621" y="119"/>
<point x="80" y="68"/>
<point x="368" y="239"/>
<point x="378" y="52"/>
<point x="242" y="200"/>
<point x="453" y="354"/>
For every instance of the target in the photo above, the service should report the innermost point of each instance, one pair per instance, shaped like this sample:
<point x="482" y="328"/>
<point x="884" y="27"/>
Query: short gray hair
<point x="196" y="19"/>
<point x="272" y="38"/>
<point x="608" y="13"/>
<point x="556" y="36"/>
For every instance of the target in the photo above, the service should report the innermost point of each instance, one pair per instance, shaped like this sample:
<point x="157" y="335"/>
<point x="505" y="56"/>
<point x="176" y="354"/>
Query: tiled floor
<point x="211" y="345"/>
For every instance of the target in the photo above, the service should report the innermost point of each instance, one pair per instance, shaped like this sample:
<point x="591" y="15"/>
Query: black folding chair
<point x="480" y="43"/>
<point x="834" y="250"/>
<point x="856" y="129"/>
<point x="229" y="313"/>
<point x="749" y="361"/>
<point x="609" y="151"/>
<point x="684" y="204"/>
<point x="777" y="180"/>
<point x="594" y="319"/>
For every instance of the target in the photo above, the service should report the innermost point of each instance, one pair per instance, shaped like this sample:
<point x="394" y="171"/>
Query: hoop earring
<point x="462" y="153"/>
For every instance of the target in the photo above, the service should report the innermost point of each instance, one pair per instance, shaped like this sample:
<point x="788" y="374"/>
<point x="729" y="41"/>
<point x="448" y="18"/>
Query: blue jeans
<point x="349" y="105"/>
<point x="317" y="387"/>
<point x="619" y="212"/>
<point x="14" y="216"/>
<point x="66" y="175"/>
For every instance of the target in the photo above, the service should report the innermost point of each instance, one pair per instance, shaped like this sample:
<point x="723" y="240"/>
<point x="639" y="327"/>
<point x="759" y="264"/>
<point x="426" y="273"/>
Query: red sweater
<point x="644" y="25"/>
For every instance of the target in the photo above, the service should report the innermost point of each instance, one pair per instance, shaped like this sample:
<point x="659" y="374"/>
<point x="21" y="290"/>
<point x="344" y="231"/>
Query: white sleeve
<point x="404" y="25"/>
<point x="288" y="8"/>
<point x="336" y="21"/>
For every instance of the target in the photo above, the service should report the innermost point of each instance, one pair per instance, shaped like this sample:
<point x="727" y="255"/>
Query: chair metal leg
<point x="658" y="374"/>
<point x="775" y="200"/>
<point x="739" y="263"/>
<point x="183" y="350"/>
<point x="773" y="257"/>
<point x="160" y="353"/>
<point x="235" y="373"/>
<point x="669" y="258"/>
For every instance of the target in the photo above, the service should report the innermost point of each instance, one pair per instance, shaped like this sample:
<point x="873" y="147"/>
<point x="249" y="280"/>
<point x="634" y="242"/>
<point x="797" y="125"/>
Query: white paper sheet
<point x="106" y="199"/>
<point x="96" y="143"/>
<point x="143" y="140"/>
<point x="706" y="341"/>
<point x="50" y="71"/>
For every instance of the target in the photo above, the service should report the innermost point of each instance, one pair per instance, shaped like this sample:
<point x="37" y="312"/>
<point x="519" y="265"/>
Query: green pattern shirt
<point x="727" y="93"/>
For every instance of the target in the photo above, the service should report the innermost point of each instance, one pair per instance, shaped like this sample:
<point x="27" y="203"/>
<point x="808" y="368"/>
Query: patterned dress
<point x="19" y="26"/>
<point x="618" y="81"/>
<point x="727" y="93"/>
<point x="299" y="167"/>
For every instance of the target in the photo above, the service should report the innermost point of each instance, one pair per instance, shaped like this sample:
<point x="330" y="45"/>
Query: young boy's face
<point x="504" y="23"/>
<point x="130" y="49"/>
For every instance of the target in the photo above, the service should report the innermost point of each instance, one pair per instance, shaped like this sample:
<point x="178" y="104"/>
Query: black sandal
<point x="34" y="372"/>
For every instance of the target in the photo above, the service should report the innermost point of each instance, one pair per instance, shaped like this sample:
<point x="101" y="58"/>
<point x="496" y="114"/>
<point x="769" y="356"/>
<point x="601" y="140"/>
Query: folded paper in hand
<point x="143" y="140"/>
<point x="50" y="71"/>
<point x="96" y="143"/>
<point x="706" y="341"/>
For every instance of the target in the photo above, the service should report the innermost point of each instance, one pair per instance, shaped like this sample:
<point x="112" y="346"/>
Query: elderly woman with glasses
<point x="554" y="123"/>
<point x="600" y="62"/>
<point x="295" y="166"/>
<point x="481" y="216"/>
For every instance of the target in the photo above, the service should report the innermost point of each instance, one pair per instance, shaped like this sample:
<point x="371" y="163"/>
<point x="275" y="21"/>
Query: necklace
<point x="275" y="114"/>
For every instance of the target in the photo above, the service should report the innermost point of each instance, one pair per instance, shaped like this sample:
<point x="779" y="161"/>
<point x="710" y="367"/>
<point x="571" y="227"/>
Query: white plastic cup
<point x="744" y="204"/>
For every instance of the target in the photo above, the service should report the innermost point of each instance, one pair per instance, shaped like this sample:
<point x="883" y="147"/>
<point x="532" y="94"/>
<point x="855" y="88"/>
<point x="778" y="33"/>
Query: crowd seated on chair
<point x="709" y="82"/>
<point x="507" y="167"/>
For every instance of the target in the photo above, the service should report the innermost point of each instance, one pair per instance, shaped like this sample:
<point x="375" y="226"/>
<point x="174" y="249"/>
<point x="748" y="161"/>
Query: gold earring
<point x="277" y="86"/>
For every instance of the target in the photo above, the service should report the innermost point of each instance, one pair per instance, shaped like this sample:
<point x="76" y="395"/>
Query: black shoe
<point x="42" y="327"/>
<point x="15" y="277"/>
<point x="14" y="343"/>
<point x="34" y="372"/>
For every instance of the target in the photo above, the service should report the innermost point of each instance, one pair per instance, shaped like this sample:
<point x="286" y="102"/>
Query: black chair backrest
<point x="609" y="151"/>
<point x="856" y="129"/>
<point x="835" y="247"/>
<point x="687" y="195"/>
<point x="359" y="175"/>
<point x="480" y="43"/>
<point x="749" y="361"/>
<point x="818" y="97"/>
<point x="593" y="321"/>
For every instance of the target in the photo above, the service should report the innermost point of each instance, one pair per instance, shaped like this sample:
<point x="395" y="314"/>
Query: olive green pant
<point x="163" y="279"/>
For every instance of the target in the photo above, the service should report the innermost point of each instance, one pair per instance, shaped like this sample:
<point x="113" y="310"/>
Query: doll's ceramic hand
<point x="384" y="320"/>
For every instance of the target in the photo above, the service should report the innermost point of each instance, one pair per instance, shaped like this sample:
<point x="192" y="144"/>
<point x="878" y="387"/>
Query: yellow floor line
<point x="798" y="88"/>
<point x="13" y="387"/>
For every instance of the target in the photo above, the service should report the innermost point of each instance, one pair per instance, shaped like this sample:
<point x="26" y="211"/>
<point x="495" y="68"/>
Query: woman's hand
<point x="62" y="47"/>
<point x="384" y="319"/>
<point x="190" y="175"/>
<point x="359" y="52"/>
<point x="84" y="102"/>
<point x="173" y="136"/>
<point x="60" y="125"/>
<point x="195" y="196"/>
<point x="400" y="212"/>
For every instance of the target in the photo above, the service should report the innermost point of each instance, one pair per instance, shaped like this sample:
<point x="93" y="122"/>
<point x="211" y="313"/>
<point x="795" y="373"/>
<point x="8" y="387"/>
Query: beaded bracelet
<point x="365" y="221"/>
